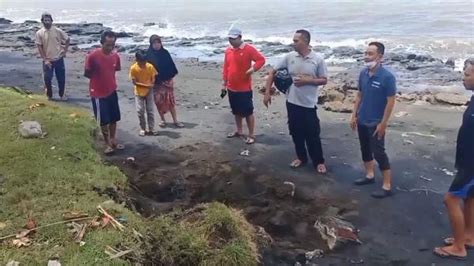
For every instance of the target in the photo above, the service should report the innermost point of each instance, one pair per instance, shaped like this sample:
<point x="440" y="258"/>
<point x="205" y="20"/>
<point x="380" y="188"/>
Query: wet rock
<point x="346" y="51"/>
<point x="123" y="35"/>
<point x="287" y="189"/>
<point x="5" y="21"/>
<point x="281" y="222"/>
<point x="407" y="97"/>
<point x="451" y="98"/>
<point x="450" y="62"/>
<point x="411" y="56"/>
<point x="30" y="129"/>
<point x="304" y="194"/>
<point x="149" y="24"/>
<point x="301" y="229"/>
<point x="338" y="107"/>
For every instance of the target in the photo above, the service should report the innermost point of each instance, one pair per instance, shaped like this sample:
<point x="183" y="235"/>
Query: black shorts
<point x="241" y="103"/>
<point x="106" y="110"/>
<point x="463" y="185"/>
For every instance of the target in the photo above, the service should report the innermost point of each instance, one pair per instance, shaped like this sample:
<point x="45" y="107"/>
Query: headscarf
<point x="162" y="61"/>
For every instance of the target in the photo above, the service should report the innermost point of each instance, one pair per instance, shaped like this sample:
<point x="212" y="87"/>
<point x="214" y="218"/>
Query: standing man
<point x="372" y="109"/>
<point x="52" y="44"/>
<point x="308" y="71"/>
<point x="462" y="188"/>
<point x="237" y="74"/>
<point x="100" y="67"/>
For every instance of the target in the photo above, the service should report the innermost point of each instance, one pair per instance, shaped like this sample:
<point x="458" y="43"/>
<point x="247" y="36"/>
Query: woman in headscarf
<point x="161" y="59"/>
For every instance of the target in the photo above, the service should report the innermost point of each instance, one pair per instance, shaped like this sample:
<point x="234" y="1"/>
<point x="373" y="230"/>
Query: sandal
<point x="442" y="253"/>
<point x="450" y="240"/>
<point x="162" y="124"/>
<point x="142" y="133"/>
<point x="297" y="164"/>
<point x="152" y="133"/>
<point x="250" y="140"/>
<point x="179" y="125"/>
<point x="321" y="168"/>
<point x="109" y="150"/>
<point x="118" y="146"/>
<point x="234" y="135"/>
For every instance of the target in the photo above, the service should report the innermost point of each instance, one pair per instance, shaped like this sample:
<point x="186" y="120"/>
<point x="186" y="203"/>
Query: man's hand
<point x="63" y="53"/>
<point x="380" y="130"/>
<point x="48" y="63"/>
<point x="353" y="122"/>
<point x="302" y="80"/>
<point x="267" y="99"/>
<point x="250" y="71"/>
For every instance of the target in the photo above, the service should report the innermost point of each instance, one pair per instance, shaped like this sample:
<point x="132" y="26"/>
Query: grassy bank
<point x="44" y="178"/>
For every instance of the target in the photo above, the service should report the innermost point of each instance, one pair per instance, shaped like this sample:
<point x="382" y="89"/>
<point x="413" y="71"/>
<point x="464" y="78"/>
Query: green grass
<point x="46" y="182"/>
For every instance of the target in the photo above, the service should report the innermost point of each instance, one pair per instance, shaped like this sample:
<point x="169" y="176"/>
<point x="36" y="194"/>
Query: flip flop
<point x="450" y="240"/>
<point x="108" y="150"/>
<point x="179" y="125"/>
<point x="442" y="253"/>
<point x="296" y="164"/>
<point x="142" y="133"/>
<point x="162" y="124"/>
<point x="118" y="146"/>
<point x="250" y="140"/>
<point x="234" y="135"/>
<point x="321" y="169"/>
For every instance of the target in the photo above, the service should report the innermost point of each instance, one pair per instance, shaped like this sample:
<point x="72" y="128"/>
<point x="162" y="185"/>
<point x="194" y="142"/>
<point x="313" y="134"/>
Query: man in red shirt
<point x="237" y="74"/>
<point x="100" y="67"/>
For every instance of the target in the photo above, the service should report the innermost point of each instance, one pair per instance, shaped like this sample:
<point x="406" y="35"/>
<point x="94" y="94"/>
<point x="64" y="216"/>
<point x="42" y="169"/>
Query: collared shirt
<point x="236" y="63"/>
<point x="375" y="90"/>
<point x="465" y="141"/>
<point x="52" y="40"/>
<point x="312" y="65"/>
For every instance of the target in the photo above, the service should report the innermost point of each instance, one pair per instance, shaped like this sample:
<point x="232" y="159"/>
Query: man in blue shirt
<point x="372" y="110"/>
<point x="462" y="188"/>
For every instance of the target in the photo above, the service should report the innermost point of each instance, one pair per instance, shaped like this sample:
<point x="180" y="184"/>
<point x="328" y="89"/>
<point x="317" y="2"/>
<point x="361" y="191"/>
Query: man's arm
<point x="88" y="67"/>
<point x="225" y="72"/>
<point x="391" y="90"/>
<point x="118" y="66"/>
<point x="355" y="109"/>
<point x="259" y="60"/>
<point x="267" y="98"/>
<point x="136" y="83"/>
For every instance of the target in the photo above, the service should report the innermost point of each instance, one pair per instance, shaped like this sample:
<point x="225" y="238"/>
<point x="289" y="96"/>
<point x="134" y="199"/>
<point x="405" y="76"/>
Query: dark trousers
<point x="372" y="147"/>
<point x="58" y="68"/>
<point x="305" y="130"/>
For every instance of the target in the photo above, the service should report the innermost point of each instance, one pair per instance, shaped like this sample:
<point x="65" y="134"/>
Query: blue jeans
<point x="58" y="68"/>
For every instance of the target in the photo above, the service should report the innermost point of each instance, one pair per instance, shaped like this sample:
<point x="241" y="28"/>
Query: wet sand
<point x="401" y="230"/>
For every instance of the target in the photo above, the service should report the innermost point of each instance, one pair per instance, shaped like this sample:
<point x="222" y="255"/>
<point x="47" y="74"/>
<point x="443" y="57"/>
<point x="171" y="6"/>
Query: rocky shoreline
<point x="421" y="79"/>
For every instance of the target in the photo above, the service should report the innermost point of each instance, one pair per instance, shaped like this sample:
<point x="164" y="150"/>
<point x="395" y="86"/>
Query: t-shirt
<point x="144" y="75"/>
<point x="374" y="89"/>
<point x="312" y="65"/>
<point x="465" y="142"/>
<point x="236" y="63"/>
<point x="52" y="40"/>
<point x="102" y="68"/>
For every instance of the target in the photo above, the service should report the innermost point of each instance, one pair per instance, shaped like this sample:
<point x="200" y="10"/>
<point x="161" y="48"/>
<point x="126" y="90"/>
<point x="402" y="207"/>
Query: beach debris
<point x="245" y="153"/>
<point x="287" y="189"/>
<point x="69" y="215"/>
<point x="356" y="261"/>
<point x="425" y="178"/>
<point x="36" y="105"/>
<point x="79" y="230"/>
<point x="30" y="129"/>
<point x="131" y="159"/>
<point x="53" y="148"/>
<point x="115" y="253"/>
<point x="407" y="141"/>
<point x="206" y="107"/>
<point x="407" y="134"/>
<point x="116" y="224"/>
<point x="74" y="115"/>
<point x="401" y="114"/>
<point x="334" y="230"/>
<point x="447" y="172"/>
<point x="310" y="255"/>
<point x="281" y="133"/>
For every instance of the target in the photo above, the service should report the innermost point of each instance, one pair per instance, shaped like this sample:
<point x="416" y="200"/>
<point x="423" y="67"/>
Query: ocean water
<point x="443" y="29"/>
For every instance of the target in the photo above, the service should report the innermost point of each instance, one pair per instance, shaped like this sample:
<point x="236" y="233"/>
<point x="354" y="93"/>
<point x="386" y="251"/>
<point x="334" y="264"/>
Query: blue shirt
<point x="465" y="142"/>
<point x="375" y="90"/>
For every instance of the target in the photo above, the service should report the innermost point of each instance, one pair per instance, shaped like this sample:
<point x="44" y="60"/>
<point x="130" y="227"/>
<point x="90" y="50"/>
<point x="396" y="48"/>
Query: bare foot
<point x="321" y="168"/>
<point x="468" y="242"/>
<point x="450" y="252"/>
<point x="296" y="163"/>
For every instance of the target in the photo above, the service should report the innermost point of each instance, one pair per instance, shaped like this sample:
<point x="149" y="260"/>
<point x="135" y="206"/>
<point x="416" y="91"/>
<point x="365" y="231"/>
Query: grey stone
<point x="30" y="129"/>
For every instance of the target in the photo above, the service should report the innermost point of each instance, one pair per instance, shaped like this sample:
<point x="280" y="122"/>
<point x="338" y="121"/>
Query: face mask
<point x="371" y="64"/>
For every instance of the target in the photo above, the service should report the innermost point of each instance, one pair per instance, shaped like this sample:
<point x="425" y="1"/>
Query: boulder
<point x="339" y="107"/>
<point x="123" y="34"/>
<point x="148" y="24"/>
<point x="450" y="62"/>
<point x="451" y="98"/>
<point x="5" y="21"/>
<point x="346" y="51"/>
<point x="30" y="129"/>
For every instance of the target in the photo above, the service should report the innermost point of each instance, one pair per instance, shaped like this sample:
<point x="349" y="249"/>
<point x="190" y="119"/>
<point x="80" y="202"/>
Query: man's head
<point x="155" y="42"/>
<point x="47" y="20"/>
<point x="107" y="40"/>
<point x="235" y="37"/>
<point x="468" y="79"/>
<point x="140" y="57"/>
<point x="373" y="54"/>
<point x="301" y="41"/>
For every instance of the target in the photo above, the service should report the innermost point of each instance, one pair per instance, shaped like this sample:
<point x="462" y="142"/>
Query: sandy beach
<point x="401" y="230"/>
